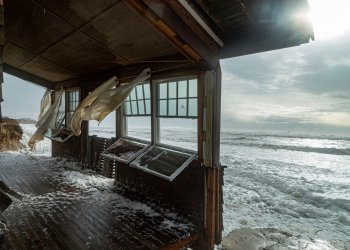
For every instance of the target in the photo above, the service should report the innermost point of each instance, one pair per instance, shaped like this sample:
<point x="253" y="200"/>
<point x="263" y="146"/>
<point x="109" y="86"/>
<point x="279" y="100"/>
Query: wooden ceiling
<point x="50" y="41"/>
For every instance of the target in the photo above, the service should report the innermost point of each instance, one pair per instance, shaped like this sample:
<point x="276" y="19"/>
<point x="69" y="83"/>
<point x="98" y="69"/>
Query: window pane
<point x="182" y="107"/>
<point x="134" y="107"/>
<point x="163" y="91"/>
<point x="192" y="107"/>
<point x="139" y="91"/>
<point x="172" y="107"/>
<point x="182" y="89"/>
<point x="127" y="109"/>
<point x="148" y="107"/>
<point x="192" y="88"/>
<point x="147" y="91"/>
<point x="162" y="161"/>
<point x="133" y="95"/>
<point x="163" y="107"/>
<point x="172" y="89"/>
<point x="141" y="107"/>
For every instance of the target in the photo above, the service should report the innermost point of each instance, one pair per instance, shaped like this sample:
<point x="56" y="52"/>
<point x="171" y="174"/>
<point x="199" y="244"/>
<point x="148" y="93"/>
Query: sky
<point x="304" y="89"/>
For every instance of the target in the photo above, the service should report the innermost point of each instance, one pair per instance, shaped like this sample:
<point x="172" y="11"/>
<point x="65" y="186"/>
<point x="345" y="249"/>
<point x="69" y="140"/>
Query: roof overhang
<point x="51" y="42"/>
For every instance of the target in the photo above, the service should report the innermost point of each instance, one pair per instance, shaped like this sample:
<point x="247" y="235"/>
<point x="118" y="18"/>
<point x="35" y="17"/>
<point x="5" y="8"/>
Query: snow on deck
<point x="64" y="208"/>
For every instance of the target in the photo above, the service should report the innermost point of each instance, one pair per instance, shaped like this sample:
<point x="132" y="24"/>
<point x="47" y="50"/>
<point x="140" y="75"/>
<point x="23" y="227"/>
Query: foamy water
<point x="297" y="184"/>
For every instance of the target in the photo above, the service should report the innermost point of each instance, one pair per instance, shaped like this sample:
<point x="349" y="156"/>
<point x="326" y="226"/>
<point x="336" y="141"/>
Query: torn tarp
<point x="99" y="104"/>
<point x="76" y="117"/>
<point x="110" y="100"/>
<point x="47" y="121"/>
<point x="45" y="104"/>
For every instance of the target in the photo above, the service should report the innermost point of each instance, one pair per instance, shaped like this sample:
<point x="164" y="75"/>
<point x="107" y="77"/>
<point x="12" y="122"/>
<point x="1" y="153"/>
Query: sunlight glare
<point x="330" y="18"/>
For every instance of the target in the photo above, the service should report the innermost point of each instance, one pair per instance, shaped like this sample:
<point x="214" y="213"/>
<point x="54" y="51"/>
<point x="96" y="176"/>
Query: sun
<point x="330" y="18"/>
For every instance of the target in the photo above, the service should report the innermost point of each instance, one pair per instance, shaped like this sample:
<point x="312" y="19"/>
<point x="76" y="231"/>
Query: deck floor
<point x="63" y="209"/>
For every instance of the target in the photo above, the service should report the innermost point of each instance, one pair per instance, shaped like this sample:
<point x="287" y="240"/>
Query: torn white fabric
<point x="46" y="122"/>
<point x="45" y="104"/>
<point x="76" y="118"/>
<point x="110" y="100"/>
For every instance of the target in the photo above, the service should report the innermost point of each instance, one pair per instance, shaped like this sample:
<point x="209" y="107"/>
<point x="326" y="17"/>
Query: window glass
<point x="163" y="91"/>
<point x="172" y="89"/>
<point x="172" y="108"/>
<point x="73" y="102"/>
<point x="163" y="106"/>
<point x="141" y="105"/>
<point x="139" y="127"/>
<point x="181" y="98"/>
<point x="134" y="107"/>
<point x="133" y="95"/>
<point x="125" y="150"/>
<point x="192" y="88"/>
<point x="163" y="162"/>
<point x="182" y="107"/>
<point x="182" y="85"/>
<point x="192" y="107"/>
<point x="138" y="102"/>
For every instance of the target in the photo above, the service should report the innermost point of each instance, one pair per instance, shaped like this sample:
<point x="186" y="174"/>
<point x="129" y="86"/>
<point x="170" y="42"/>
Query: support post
<point x="211" y="153"/>
<point x="2" y="44"/>
<point x="84" y="137"/>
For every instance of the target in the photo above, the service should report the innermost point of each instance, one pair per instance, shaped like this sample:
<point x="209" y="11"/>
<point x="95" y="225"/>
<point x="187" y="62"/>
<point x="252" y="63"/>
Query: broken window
<point x="125" y="150"/>
<point x="164" y="162"/>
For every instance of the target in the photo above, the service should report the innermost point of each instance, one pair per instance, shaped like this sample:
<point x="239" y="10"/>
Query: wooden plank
<point x="182" y="243"/>
<point x="160" y="16"/>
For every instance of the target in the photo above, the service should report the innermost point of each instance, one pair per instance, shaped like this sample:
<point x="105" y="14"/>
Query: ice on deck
<point x="63" y="207"/>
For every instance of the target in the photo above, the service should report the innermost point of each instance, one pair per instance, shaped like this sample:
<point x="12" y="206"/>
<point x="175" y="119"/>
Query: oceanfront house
<point x="75" y="46"/>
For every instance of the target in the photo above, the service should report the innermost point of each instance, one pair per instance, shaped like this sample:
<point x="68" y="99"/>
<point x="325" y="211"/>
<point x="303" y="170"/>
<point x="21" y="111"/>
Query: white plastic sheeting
<point x="112" y="99"/>
<point x="45" y="104"/>
<point x="47" y="121"/>
<point x="105" y="103"/>
<point x="77" y="115"/>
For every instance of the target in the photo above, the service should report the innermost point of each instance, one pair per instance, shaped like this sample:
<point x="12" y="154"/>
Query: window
<point x="137" y="113"/>
<point x="60" y="120"/>
<point x="72" y="103"/>
<point x="138" y="102"/>
<point x="125" y="150"/>
<point x="164" y="162"/>
<point x="177" y="98"/>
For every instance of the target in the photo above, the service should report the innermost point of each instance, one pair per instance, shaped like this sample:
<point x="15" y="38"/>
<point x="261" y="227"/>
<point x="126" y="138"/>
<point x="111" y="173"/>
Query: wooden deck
<point x="68" y="210"/>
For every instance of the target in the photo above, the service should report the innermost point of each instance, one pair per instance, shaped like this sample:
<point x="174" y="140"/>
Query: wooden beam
<point x="162" y="18"/>
<point x="124" y="74"/>
<point x="2" y="44"/>
<point x="28" y="77"/>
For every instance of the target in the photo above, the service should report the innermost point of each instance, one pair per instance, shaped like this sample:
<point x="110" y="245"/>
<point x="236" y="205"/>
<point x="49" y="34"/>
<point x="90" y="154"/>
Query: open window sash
<point x="59" y="133"/>
<point x="164" y="161"/>
<point x="125" y="149"/>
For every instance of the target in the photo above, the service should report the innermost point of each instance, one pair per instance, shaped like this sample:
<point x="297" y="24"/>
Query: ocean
<point x="296" y="184"/>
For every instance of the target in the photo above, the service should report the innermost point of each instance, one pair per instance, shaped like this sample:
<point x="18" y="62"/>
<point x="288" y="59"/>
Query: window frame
<point x="191" y="156"/>
<point x="137" y="100"/>
<point x="67" y="107"/>
<point x="176" y="98"/>
<point x="146" y="146"/>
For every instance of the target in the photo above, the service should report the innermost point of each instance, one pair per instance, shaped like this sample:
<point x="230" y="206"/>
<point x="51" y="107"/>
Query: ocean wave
<point x="331" y="151"/>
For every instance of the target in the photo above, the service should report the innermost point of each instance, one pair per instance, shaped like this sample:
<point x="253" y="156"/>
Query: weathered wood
<point x="28" y="77"/>
<point x="2" y="44"/>
<point x="56" y="215"/>
<point x="164" y="19"/>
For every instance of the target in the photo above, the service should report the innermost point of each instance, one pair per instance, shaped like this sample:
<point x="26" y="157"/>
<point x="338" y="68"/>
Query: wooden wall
<point x="185" y="192"/>
<point x="70" y="149"/>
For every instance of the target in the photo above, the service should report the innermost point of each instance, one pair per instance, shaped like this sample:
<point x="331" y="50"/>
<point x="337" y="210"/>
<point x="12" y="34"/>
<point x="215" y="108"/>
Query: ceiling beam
<point x="158" y="68"/>
<point x="28" y="77"/>
<point x="161" y="17"/>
